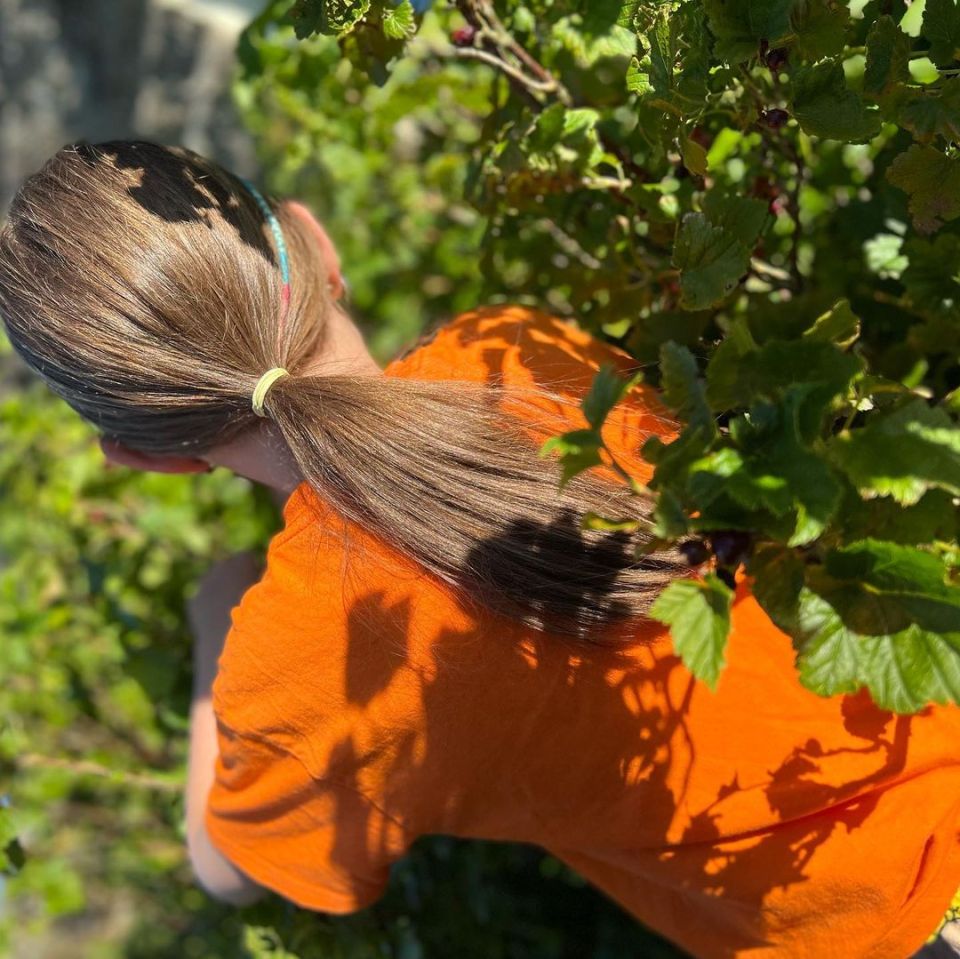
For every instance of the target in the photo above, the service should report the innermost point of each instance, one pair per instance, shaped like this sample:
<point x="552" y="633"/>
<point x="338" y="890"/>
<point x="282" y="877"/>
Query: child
<point x="435" y="646"/>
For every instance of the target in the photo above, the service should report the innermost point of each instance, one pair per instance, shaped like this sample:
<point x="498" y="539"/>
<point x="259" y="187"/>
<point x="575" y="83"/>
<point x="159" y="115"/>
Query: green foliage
<point x="759" y="201"/>
<point x="698" y="613"/>
<point x="931" y="180"/>
<point x="580" y="449"/>
<point x="901" y="453"/>
<point x="95" y="566"/>
<point x="941" y="26"/>
<point x="825" y="106"/>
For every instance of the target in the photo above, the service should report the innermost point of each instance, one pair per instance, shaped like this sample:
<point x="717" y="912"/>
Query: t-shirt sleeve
<point x="317" y="843"/>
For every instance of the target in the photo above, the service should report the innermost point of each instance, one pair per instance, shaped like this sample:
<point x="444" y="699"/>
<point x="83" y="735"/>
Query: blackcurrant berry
<point x="694" y="551"/>
<point x="774" y="118"/>
<point x="776" y="58"/>
<point x="463" y="36"/>
<point x="764" y="188"/>
<point x="725" y="576"/>
<point x="730" y="546"/>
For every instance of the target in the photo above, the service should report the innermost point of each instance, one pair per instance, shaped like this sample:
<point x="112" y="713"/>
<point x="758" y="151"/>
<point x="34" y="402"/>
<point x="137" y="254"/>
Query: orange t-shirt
<point x="360" y="706"/>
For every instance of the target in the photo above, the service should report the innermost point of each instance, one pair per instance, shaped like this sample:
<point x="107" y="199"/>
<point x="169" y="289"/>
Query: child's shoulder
<point x="482" y="340"/>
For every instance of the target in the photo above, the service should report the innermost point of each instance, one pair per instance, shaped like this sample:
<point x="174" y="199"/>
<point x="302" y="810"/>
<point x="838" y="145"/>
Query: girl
<point x="435" y="646"/>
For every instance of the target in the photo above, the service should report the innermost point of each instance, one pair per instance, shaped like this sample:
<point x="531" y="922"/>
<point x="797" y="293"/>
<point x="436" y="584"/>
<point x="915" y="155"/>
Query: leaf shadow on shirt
<point x="495" y="733"/>
<point x="487" y="730"/>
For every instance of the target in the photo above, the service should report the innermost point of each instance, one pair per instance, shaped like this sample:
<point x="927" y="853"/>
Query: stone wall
<point x="115" y="69"/>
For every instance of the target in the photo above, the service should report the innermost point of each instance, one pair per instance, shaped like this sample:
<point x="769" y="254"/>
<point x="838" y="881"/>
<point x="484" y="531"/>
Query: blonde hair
<point x="141" y="283"/>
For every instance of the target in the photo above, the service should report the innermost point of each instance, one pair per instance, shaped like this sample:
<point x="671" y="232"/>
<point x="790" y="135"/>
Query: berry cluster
<point x="729" y="547"/>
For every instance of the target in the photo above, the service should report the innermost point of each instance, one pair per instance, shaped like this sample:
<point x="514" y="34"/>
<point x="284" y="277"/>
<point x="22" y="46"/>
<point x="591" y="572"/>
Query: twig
<point x="482" y="15"/>
<point x="472" y="53"/>
<point x="87" y="767"/>
<point x="768" y="269"/>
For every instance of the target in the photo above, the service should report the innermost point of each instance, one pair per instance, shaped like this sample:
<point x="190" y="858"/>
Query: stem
<point x="472" y="53"/>
<point x="481" y="14"/>
<point x="87" y="767"/>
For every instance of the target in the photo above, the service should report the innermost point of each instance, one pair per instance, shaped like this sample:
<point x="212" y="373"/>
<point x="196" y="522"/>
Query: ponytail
<point x="474" y="505"/>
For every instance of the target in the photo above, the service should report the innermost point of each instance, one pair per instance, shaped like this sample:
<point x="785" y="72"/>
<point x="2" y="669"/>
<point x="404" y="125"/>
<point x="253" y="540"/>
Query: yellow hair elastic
<point x="263" y="386"/>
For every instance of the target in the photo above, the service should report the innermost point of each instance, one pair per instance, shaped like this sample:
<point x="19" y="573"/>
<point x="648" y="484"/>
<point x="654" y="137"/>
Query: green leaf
<point x="884" y="255"/>
<point x="638" y="80"/>
<point x="673" y="459"/>
<point x="902" y="453"/>
<point x="579" y="450"/>
<point x="725" y="374"/>
<point x="829" y="657"/>
<point x="399" y="22"/>
<point x="711" y="261"/>
<point x="736" y="377"/>
<point x="779" y="450"/>
<point x="12" y="857"/>
<point x="725" y="145"/>
<point x="563" y="137"/>
<point x="670" y="518"/>
<point x="932" y="182"/>
<point x="743" y="217"/>
<point x="910" y="669"/>
<point x="663" y="53"/>
<point x="903" y="669"/>
<point x="838" y="325"/>
<point x="888" y="57"/>
<point x="694" y="156"/>
<point x="606" y="391"/>
<point x="740" y="25"/>
<point x="698" y="614"/>
<point x="941" y="26"/>
<point x="826" y="107"/>
<point x="777" y="577"/>
<point x="821" y="28"/>
<point x="713" y="248"/>
<point x="655" y="75"/>
<point x="589" y="48"/>
<point x="929" y="113"/>
<point x="749" y="483"/>
<point x="778" y="364"/>
<point x="650" y="332"/>
<point x="932" y="278"/>
<point x="595" y="521"/>
<point x="932" y="517"/>
<point x="333" y="17"/>
<point x="600" y="15"/>
<point x="900" y="580"/>
<point x="709" y="476"/>
<point x="682" y="388"/>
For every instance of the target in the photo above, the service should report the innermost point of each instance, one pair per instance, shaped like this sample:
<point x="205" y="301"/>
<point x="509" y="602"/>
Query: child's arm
<point x="209" y="613"/>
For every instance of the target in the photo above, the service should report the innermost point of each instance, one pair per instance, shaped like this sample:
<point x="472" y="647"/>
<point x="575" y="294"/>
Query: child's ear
<point x="327" y="249"/>
<point x="124" y="456"/>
